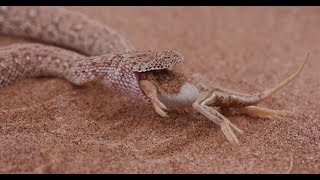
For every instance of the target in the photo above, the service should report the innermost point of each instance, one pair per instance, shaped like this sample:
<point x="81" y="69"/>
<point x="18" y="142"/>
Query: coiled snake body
<point x="117" y="66"/>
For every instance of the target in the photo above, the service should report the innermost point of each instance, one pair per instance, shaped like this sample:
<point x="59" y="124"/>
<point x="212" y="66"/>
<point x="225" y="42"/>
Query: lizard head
<point x="173" y="89"/>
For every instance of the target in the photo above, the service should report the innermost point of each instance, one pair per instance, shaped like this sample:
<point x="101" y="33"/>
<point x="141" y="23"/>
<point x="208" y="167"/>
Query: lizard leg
<point x="255" y="111"/>
<point x="227" y="98"/>
<point x="219" y="119"/>
<point x="150" y="90"/>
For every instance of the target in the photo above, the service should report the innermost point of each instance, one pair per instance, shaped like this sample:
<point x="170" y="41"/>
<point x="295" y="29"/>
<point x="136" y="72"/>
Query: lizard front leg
<point x="150" y="90"/>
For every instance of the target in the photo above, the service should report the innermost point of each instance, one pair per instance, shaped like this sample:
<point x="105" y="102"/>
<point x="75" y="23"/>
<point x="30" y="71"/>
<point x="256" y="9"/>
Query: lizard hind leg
<point x="150" y="90"/>
<point x="219" y="119"/>
<point x="255" y="111"/>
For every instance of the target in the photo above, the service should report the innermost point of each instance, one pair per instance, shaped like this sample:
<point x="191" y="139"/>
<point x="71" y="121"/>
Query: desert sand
<point x="48" y="125"/>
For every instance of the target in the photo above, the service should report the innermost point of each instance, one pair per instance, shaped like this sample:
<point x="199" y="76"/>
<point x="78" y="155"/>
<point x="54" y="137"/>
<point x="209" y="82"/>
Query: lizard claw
<point x="159" y="106"/>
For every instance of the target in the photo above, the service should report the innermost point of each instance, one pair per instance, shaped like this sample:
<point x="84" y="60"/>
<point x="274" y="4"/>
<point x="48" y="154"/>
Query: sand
<point x="49" y="126"/>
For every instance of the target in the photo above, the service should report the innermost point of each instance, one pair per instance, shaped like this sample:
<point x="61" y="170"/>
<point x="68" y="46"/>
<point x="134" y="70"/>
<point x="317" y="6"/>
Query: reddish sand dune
<point x="49" y="126"/>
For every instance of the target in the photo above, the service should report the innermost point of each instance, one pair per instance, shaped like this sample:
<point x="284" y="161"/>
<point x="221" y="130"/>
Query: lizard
<point x="91" y="51"/>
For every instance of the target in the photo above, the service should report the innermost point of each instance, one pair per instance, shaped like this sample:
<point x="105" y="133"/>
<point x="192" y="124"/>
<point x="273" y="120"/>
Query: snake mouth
<point x="137" y="76"/>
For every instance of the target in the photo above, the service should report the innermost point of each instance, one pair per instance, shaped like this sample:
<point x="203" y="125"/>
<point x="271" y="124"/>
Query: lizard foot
<point x="219" y="119"/>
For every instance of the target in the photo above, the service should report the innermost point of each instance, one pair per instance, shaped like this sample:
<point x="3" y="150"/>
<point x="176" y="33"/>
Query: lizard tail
<point x="269" y="92"/>
<point x="258" y="97"/>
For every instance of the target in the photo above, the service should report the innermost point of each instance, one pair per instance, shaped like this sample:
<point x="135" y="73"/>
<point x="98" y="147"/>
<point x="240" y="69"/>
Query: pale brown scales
<point x="151" y="60"/>
<point x="61" y="27"/>
<point x="21" y="61"/>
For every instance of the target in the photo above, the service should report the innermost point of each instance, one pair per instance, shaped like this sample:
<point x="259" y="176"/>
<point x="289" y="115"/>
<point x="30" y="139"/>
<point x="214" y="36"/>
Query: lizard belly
<point x="188" y="94"/>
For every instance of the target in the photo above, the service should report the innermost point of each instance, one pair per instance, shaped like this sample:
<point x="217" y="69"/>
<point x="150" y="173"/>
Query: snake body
<point x="61" y="27"/>
<point x="87" y="50"/>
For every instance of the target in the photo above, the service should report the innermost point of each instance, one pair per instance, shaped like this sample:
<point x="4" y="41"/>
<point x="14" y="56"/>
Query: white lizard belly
<point x="188" y="94"/>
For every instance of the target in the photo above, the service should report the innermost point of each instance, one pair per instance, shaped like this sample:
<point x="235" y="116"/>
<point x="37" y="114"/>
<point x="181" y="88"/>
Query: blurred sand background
<point x="49" y="126"/>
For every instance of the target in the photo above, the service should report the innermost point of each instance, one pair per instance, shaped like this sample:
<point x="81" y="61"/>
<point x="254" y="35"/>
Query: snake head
<point x="123" y="70"/>
<point x="144" y="61"/>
